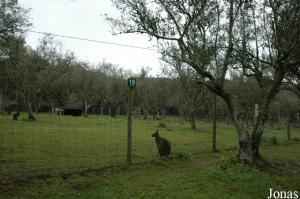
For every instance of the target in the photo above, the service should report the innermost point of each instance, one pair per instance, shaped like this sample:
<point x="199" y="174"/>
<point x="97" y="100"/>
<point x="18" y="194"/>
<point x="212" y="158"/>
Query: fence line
<point x="55" y="143"/>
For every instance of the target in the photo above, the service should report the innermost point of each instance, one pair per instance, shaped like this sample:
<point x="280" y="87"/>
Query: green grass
<point x="204" y="175"/>
<point x="54" y="143"/>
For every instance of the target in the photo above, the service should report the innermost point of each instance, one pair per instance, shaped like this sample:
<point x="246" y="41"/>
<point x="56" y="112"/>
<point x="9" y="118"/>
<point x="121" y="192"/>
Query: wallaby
<point x="163" y="145"/>
<point x="15" y="114"/>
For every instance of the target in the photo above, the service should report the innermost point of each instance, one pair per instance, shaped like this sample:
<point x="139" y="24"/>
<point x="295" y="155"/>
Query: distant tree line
<point x="41" y="79"/>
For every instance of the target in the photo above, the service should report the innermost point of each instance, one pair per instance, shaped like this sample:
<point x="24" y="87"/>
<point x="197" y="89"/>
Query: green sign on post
<point x="131" y="82"/>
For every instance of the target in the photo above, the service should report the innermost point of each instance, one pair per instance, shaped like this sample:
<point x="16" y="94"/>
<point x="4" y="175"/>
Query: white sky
<point x="84" y="18"/>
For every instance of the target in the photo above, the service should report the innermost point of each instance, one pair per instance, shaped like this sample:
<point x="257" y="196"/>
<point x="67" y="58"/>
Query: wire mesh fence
<point x="53" y="143"/>
<point x="60" y="142"/>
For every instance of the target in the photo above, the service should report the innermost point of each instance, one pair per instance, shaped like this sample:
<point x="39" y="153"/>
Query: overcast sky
<point x="84" y="18"/>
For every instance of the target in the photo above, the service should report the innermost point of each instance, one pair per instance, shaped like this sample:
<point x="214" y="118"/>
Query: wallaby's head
<point x="155" y="134"/>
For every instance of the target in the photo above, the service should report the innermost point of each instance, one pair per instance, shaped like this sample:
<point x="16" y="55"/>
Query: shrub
<point x="169" y="129"/>
<point x="162" y="125"/>
<point x="182" y="156"/>
<point x="273" y="141"/>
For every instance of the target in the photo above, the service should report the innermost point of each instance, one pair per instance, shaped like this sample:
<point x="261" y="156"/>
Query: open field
<point x="55" y="143"/>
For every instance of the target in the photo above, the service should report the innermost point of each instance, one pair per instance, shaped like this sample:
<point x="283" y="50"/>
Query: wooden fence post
<point x="131" y="86"/>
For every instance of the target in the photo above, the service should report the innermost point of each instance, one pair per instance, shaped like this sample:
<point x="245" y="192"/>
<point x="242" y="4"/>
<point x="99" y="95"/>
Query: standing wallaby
<point x="15" y="115"/>
<point x="163" y="145"/>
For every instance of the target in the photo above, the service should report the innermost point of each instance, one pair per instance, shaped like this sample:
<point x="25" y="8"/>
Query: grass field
<point x="55" y="143"/>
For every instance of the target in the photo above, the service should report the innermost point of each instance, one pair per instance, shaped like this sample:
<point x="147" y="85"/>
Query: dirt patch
<point x="6" y="185"/>
<point x="283" y="167"/>
<point x="82" y="186"/>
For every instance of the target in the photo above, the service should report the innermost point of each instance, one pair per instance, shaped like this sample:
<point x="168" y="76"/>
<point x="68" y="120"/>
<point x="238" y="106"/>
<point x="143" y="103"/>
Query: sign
<point x="131" y="82"/>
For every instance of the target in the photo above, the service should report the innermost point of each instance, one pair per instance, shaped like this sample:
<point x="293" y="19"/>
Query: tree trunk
<point x="288" y="122"/>
<point x="289" y="129"/>
<point x="29" y="107"/>
<point x="279" y="118"/>
<point x="139" y="112"/>
<point x="271" y="120"/>
<point x="145" y="112"/>
<point x="52" y="107"/>
<point x="101" y="110"/>
<point x="163" y="114"/>
<point x="214" y="135"/>
<point x="249" y="150"/>
<point x="109" y="110"/>
<point x="211" y="107"/>
<point x="248" y="141"/>
<point x="29" y="111"/>
<point x="85" y="109"/>
<point x="113" y="111"/>
<point x="36" y="108"/>
<point x="1" y="102"/>
<point x="227" y="119"/>
<point x="193" y="121"/>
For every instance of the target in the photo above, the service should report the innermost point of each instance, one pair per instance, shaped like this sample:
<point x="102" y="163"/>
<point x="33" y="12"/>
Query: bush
<point x="182" y="156"/>
<point x="162" y="125"/>
<point x="273" y="141"/>
<point x="169" y="129"/>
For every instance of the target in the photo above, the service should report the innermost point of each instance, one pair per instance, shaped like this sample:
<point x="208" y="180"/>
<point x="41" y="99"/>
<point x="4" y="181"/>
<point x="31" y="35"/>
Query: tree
<point x="163" y="90"/>
<point x="13" y="21"/>
<point x="214" y="37"/>
<point x="145" y="96"/>
<point x="51" y="77"/>
<point x="116" y="94"/>
<point x="292" y="82"/>
<point x="88" y="85"/>
<point x="25" y="74"/>
<point x="286" y="106"/>
<point x="189" y="94"/>
<point x="55" y="80"/>
<point x="245" y="92"/>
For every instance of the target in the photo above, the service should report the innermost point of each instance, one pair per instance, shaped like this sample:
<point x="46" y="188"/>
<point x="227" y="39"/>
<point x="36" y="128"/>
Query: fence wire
<point x="60" y="142"/>
<point x="55" y="144"/>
